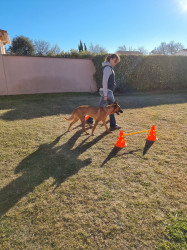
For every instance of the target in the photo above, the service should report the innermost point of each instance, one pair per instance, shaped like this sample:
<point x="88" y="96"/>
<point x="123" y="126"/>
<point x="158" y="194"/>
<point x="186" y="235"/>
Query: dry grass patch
<point x="63" y="190"/>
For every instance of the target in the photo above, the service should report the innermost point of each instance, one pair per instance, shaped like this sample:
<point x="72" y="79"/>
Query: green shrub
<point x="97" y="60"/>
<point x="160" y="72"/>
<point x="143" y="73"/>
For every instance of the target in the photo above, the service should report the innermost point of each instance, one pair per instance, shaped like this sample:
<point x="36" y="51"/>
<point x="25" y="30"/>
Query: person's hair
<point x="112" y="56"/>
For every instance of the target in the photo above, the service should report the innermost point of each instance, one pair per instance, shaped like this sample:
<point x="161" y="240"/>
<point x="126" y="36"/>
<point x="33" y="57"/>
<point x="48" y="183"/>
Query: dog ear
<point x="115" y="104"/>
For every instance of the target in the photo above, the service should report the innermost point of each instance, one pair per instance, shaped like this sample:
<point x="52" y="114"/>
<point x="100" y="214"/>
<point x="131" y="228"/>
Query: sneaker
<point x="116" y="127"/>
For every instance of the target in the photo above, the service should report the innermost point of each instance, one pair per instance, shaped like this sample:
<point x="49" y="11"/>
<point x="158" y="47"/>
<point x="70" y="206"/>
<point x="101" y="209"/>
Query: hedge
<point x="144" y="73"/>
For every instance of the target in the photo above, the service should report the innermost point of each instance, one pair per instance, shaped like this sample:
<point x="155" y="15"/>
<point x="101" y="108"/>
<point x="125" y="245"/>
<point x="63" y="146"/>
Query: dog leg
<point x="83" y="125"/>
<point x="74" y="121"/>
<point x="95" y="124"/>
<point x="108" y="130"/>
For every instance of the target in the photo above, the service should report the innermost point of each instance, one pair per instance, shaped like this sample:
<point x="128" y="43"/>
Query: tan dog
<point x="97" y="113"/>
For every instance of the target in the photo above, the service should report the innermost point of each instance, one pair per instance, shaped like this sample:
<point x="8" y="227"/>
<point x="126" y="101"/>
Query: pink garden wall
<point x="31" y="75"/>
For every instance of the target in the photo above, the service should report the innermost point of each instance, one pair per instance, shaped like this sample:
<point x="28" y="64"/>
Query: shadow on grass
<point x="47" y="161"/>
<point x="36" y="106"/>
<point x="25" y="107"/>
<point x="114" y="153"/>
<point x="147" y="146"/>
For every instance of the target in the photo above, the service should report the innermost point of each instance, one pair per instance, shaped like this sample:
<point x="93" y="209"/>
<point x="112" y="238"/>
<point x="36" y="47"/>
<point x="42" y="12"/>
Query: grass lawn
<point x="62" y="190"/>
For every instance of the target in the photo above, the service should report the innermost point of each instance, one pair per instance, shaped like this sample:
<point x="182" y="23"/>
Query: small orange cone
<point x="152" y="134"/>
<point x="87" y="117"/>
<point x="121" y="140"/>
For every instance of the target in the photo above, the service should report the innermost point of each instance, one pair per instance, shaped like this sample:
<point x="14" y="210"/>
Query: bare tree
<point x="122" y="48"/>
<point x="131" y="48"/>
<point x="167" y="49"/>
<point x="174" y="47"/>
<point x="143" y="50"/>
<point x="41" y="47"/>
<point x="97" y="49"/>
<point x="140" y="49"/>
<point x="44" y="48"/>
<point x="55" y="49"/>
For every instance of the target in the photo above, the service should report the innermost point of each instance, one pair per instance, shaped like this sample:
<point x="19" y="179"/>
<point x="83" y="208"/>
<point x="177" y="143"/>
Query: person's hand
<point x="105" y="98"/>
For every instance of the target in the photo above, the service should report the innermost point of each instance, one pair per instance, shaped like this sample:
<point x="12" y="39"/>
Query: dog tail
<point x="70" y="118"/>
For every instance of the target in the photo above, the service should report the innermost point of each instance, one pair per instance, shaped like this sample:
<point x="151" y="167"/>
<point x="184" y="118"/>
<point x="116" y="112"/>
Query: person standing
<point x="108" y="87"/>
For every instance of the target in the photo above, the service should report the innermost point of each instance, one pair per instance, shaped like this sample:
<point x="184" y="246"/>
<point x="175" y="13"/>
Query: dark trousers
<point x="112" y="116"/>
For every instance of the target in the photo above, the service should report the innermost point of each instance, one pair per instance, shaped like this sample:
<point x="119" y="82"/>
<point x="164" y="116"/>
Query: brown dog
<point x="97" y="113"/>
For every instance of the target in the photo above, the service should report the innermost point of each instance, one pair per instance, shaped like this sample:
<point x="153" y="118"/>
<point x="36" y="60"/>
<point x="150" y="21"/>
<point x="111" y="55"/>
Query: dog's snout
<point x="121" y="111"/>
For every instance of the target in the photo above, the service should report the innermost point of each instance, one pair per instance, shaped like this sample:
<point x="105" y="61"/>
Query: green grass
<point x="63" y="190"/>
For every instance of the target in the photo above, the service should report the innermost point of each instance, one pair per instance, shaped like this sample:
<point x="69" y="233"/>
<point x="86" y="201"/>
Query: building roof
<point x="182" y="52"/>
<point x="122" y="52"/>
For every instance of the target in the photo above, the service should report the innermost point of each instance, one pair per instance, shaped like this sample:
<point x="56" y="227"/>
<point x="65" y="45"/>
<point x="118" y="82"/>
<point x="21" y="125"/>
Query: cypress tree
<point x="80" y="46"/>
<point x="85" y="48"/>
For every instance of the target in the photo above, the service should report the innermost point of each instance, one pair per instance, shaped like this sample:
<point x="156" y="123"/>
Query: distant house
<point x="121" y="52"/>
<point x="182" y="52"/>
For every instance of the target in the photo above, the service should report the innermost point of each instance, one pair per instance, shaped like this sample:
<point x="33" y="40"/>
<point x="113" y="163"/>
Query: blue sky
<point x="109" y="23"/>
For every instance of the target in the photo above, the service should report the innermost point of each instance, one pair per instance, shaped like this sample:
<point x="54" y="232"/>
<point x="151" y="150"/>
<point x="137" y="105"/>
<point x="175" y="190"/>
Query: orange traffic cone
<point x="121" y="140"/>
<point x="152" y="134"/>
<point x="87" y="117"/>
